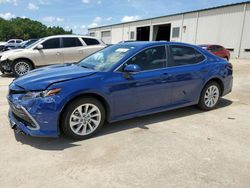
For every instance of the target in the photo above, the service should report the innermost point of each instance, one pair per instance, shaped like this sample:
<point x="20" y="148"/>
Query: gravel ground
<point x="180" y="148"/>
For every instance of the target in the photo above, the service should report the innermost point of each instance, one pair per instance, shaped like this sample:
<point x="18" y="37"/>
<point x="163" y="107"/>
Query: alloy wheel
<point x="212" y="95"/>
<point x="85" y="119"/>
<point x="22" y="68"/>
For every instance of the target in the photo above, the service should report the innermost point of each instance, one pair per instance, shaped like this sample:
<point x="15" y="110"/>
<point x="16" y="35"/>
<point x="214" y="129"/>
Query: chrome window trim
<point x="205" y="57"/>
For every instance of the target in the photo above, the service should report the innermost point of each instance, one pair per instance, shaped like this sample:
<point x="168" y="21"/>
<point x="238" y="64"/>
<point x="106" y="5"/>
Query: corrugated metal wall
<point x="228" y="26"/>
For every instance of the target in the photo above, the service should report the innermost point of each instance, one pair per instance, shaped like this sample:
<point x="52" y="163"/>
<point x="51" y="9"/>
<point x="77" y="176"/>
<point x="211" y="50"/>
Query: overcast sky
<point x="82" y="14"/>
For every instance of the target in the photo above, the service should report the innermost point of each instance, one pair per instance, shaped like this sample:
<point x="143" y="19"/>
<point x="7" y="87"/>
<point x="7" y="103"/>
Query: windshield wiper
<point x="86" y="67"/>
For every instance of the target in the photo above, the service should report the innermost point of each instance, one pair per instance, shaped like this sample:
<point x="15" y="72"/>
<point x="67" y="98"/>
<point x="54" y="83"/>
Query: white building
<point x="227" y="25"/>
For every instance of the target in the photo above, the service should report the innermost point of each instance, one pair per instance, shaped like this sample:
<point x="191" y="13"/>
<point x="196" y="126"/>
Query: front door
<point x="50" y="54"/>
<point x="145" y="90"/>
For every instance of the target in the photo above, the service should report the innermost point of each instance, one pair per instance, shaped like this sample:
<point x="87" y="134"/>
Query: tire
<point x="210" y="96"/>
<point x="21" y="67"/>
<point x="82" y="127"/>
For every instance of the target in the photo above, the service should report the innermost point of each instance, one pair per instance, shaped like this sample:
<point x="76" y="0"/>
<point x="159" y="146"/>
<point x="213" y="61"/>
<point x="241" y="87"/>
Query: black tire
<point x="202" y="105"/>
<point x="18" y="64"/>
<point x="66" y="117"/>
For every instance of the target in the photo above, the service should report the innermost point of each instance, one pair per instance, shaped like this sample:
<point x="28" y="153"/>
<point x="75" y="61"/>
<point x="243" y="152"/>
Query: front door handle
<point x="58" y="53"/>
<point x="166" y="76"/>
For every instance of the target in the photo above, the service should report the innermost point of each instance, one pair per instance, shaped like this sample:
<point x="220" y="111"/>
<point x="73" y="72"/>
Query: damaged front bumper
<point x="35" y="117"/>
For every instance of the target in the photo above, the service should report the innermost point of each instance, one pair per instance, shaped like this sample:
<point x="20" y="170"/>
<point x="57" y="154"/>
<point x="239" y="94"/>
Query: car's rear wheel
<point x="210" y="96"/>
<point x="21" y="67"/>
<point x="83" y="118"/>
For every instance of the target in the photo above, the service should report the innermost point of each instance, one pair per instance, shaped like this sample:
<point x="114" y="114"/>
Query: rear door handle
<point x="58" y="53"/>
<point x="204" y="70"/>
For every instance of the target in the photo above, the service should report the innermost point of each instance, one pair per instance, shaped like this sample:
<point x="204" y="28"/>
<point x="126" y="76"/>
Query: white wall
<point x="215" y="26"/>
<point x="190" y="22"/>
<point x="246" y="35"/>
<point x="221" y="26"/>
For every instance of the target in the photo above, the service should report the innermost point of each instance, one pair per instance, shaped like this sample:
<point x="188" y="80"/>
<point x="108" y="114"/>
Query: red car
<point x="217" y="50"/>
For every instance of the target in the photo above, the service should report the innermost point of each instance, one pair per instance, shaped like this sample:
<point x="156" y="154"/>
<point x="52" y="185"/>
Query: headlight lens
<point x="3" y="58"/>
<point x="37" y="94"/>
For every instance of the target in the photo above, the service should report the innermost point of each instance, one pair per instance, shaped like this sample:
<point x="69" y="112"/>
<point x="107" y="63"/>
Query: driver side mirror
<point x="39" y="47"/>
<point x="132" y="68"/>
<point x="129" y="69"/>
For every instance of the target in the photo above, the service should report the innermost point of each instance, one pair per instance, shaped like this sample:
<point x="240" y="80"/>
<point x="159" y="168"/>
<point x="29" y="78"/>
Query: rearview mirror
<point x="132" y="68"/>
<point x="39" y="47"/>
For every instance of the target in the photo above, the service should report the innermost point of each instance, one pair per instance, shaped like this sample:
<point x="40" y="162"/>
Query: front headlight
<point x="37" y="94"/>
<point x="3" y="58"/>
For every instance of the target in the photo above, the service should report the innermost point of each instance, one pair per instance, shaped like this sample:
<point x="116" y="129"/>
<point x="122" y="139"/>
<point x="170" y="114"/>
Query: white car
<point x="48" y="51"/>
<point x="13" y="43"/>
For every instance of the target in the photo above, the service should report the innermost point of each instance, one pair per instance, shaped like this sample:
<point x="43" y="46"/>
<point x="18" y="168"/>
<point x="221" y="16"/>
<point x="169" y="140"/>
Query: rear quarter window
<point x="90" y="41"/>
<point x="184" y="55"/>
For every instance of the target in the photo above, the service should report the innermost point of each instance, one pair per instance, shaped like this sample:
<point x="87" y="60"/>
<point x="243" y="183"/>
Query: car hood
<point x="11" y="51"/>
<point x="42" y="78"/>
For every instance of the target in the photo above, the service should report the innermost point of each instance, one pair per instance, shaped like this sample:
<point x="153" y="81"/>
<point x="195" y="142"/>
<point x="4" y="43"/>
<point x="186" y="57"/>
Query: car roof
<point x="62" y="36"/>
<point x="145" y="44"/>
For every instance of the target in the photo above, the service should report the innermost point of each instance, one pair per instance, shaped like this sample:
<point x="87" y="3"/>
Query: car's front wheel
<point x="210" y="96"/>
<point x="83" y="118"/>
<point x="21" y="67"/>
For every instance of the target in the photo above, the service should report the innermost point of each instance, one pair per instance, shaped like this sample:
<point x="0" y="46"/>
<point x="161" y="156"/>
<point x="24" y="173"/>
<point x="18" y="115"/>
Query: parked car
<point x="22" y="45"/>
<point x="119" y="82"/>
<point x="26" y="43"/>
<point x="217" y="50"/>
<point x="13" y="43"/>
<point x="47" y="51"/>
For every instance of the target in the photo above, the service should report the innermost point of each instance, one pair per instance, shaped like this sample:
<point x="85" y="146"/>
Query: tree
<point x="25" y="28"/>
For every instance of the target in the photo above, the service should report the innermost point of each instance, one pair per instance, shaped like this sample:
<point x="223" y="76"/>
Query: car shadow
<point x="62" y="143"/>
<point x="7" y="75"/>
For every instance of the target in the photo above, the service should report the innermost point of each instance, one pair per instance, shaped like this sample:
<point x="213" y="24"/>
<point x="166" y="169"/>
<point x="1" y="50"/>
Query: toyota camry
<point x="119" y="82"/>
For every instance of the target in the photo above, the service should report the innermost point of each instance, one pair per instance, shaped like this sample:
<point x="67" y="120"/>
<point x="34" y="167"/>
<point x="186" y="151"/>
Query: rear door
<point x="72" y="49"/>
<point x="186" y="70"/>
<point x="50" y="54"/>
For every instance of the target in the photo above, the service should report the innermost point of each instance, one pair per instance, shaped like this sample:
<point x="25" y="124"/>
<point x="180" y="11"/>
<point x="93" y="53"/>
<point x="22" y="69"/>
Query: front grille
<point x="13" y="92"/>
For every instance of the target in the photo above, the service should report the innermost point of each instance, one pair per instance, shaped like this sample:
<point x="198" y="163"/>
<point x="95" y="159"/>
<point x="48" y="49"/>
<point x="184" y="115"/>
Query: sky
<point x="79" y="15"/>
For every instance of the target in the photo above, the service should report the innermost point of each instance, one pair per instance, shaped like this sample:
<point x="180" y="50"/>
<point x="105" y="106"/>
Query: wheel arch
<point x="99" y="97"/>
<point x="217" y="80"/>
<point x="26" y="59"/>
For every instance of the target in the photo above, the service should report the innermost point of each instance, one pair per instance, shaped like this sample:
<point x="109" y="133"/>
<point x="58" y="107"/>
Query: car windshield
<point x="35" y="43"/>
<point x="25" y="44"/>
<point x="106" y="58"/>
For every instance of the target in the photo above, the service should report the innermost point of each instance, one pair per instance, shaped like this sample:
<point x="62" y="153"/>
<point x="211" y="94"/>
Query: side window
<point x="219" y="48"/>
<point x="18" y="41"/>
<point x="11" y="41"/>
<point x="90" y="41"/>
<point x="183" y="55"/>
<point x="71" y="42"/>
<point x="150" y="59"/>
<point x="213" y="48"/>
<point x="51" y="43"/>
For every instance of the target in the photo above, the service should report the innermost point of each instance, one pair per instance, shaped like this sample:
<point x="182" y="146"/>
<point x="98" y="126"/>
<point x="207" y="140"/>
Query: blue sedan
<point x="119" y="82"/>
